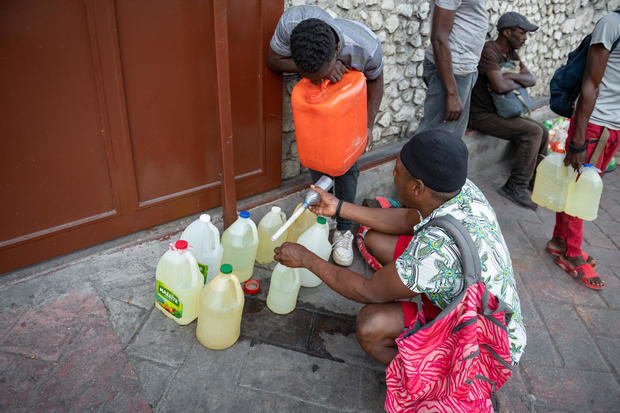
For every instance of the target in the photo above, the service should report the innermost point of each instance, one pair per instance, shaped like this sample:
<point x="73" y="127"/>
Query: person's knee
<point x="370" y="326"/>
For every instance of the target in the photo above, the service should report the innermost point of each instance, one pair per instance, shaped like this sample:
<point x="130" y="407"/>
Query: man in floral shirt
<point x="430" y="176"/>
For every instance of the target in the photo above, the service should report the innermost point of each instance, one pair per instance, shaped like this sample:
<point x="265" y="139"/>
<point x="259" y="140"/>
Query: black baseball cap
<point x="514" y="19"/>
<point x="438" y="158"/>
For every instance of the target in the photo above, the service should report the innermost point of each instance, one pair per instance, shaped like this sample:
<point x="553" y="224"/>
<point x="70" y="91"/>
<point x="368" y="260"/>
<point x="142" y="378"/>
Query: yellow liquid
<point x="221" y="307"/>
<point x="283" y="290"/>
<point x="266" y="228"/>
<point x="305" y="221"/>
<point x="240" y="242"/>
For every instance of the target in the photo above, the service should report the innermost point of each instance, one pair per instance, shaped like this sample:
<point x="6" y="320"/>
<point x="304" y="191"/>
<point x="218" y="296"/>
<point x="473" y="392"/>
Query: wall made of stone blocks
<point x="403" y="27"/>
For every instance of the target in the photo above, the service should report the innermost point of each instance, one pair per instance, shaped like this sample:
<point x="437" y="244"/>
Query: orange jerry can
<point x="330" y="122"/>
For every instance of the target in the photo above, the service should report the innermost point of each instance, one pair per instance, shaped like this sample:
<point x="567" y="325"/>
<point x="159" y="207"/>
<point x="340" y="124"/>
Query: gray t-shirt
<point x="469" y="31"/>
<point x="607" y="108"/>
<point x="359" y="47"/>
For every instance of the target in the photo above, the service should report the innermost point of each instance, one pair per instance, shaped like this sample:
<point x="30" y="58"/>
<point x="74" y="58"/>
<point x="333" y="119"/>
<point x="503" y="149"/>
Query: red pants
<point x="569" y="228"/>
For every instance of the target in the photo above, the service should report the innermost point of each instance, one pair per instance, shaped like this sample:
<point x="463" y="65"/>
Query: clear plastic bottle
<point x="240" y="242"/>
<point x="316" y="239"/>
<point x="305" y="221"/>
<point x="204" y="240"/>
<point x="221" y="308"/>
<point x="283" y="289"/>
<point x="584" y="193"/>
<point x="178" y="284"/>
<point x="551" y="184"/>
<point x="268" y="225"/>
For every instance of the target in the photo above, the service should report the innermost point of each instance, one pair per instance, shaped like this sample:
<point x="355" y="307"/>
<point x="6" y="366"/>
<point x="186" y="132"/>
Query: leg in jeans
<point x="435" y="102"/>
<point x="345" y="188"/>
<point x="531" y="137"/>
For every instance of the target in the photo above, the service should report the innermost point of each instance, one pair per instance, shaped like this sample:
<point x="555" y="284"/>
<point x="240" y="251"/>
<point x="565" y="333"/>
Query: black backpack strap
<point x="470" y="260"/>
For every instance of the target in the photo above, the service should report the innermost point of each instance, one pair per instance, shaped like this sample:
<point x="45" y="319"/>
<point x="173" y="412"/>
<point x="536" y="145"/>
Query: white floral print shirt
<point x="431" y="262"/>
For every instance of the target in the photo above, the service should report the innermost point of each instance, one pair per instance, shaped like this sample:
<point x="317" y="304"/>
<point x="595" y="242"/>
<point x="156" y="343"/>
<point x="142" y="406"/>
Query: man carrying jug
<point x="430" y="176"/>
<point x="595" y="120"/>
<point x="308" y="41"/>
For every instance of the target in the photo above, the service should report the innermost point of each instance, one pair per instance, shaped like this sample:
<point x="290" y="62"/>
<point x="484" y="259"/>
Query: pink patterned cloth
<point x="453" y="363"/>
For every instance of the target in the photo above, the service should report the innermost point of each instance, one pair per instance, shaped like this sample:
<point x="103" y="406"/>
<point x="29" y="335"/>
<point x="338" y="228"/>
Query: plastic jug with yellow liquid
<point x="283" y="289"/>
<point x="268" y="226"/>
<point x="330" y="122"/>
<point x="305" y="221"/>
<point x="316" y="239"/>
<point x="178" y="284"/>
<point x="204" y="240"/>
<point x="240" y="242"/>
<point x="221" y="307"/>
<point x="551" y="184"/>
<point x="584" y="193"/>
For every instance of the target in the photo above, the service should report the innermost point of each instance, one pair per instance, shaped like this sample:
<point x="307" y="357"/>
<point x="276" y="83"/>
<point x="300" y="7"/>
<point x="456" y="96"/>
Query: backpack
<point x="454" y="362"/>
<point x="565" y="84"/>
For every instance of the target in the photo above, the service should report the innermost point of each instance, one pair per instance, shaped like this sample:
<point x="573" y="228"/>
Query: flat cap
<point x="514" y="19"/>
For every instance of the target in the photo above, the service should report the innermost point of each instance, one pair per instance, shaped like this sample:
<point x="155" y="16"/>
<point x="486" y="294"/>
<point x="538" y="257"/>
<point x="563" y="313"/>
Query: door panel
<point x="109" y="117"/>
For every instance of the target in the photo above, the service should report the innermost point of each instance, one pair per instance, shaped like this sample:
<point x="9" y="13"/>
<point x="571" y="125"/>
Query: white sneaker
<point x="342" y="252"/>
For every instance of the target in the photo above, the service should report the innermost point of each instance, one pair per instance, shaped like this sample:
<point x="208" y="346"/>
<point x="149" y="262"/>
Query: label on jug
<point x="204" y="269"/>
<point x="168" y="300"/>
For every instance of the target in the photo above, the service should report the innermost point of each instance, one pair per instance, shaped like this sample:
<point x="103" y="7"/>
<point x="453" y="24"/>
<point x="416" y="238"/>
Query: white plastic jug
<point x="305" y="221"/>
<point x="283" y="289"/>
<point x="584" y="193"/>
<point x="221" y="307"/>
<point x="268" y="226"/>
<point x="551" y="184"/>
<point x="240" y="242"/>
<point x="204" y="240"/>
<point x="316" y="239"/>
<point x="178" y="284"/>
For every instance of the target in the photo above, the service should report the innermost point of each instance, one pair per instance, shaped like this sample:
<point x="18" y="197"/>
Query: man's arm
<point x="280" y="64"/>
<point x="443" y="20"/>
<point x="374" y="94"/>
<point x="523" y="78"/>
<point x="384" y="286"/>
<point x="592" y="77"/>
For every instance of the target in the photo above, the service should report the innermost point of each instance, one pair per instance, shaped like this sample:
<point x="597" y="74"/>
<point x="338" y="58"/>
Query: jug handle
<point x="215" y="238"/>
<point x="283" y="217"/>
<point x="194" y="264"/>
<point x="237" y="288"/>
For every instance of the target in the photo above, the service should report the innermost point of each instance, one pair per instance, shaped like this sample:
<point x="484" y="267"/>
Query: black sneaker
<point x="521" y="197"/>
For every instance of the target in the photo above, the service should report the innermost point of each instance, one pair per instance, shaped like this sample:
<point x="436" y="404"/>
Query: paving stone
<point x="334" y="338"/>
<point x="8" y="318"/>
<point x="612" y="286"/>
<point x="606" y="257"/>
<point x="133" y="282"/>
<point x="593" y="236"/>
<point x="154" y="378"/>
<point x="207" y="381"/>
<point x="610" y="348"/>
<point x="601" y="321"/>
<point x="540" y="348"/>
<point x="58" y="321"/>
<point x="573" y="390"/>
<point x="571" y="337"/>
<point x="251" y="400"/>
<point x="561" y="289"/>
<point x="290" y="331"/>
<point x="125" y="318"/>
<point x="162" y="340"/>
<point x="525" y="258"/>
<point x="324" y="298"/>
<point x="92" y="373"/>
<point x="268" y="368"/>
<point x="372" y="391"/>
<point x="19" y="379"/>
<point x="528" y="310"/>
<point x="511" y="393"/>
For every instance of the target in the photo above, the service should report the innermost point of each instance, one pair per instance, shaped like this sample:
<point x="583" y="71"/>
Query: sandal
<point x="557" y="253"/>
<point x="368" y="257"/>
<point x="581" y="273"/>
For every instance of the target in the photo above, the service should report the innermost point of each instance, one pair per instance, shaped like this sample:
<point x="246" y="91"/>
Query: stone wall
<point x="403" y="27"/>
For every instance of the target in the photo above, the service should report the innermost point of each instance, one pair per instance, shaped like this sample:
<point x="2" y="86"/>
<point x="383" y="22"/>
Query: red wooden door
<point x="109" y="117"/>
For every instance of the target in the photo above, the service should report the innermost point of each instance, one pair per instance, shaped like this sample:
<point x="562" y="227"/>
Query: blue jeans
<point x="435" y="102"/>
<point x="345" y="187"/>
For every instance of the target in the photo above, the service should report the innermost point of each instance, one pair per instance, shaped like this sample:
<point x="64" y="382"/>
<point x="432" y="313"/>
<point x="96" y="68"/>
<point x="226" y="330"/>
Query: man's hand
<point x="576" y="159"/>
<point x="327" y="205"/>
<point x="368" y="139"/>
<point x="339" y="69"/>
<point x="291" y="254"/>
<point x="454" y="108"/>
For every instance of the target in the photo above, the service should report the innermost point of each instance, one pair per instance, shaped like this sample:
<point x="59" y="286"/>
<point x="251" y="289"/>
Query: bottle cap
<point x="321" y="220"/>
<point x="226" y="269"/>
<point x="205" y="218"/>
<point x="244" y="214"/>
<point x="588" y="165"/>
<point x="276" y="209"/>
<point x="251" y="286"/>
<point x="180" y="244"/>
